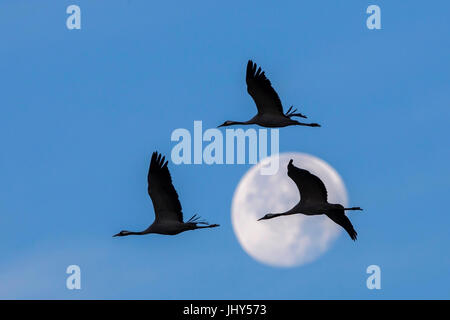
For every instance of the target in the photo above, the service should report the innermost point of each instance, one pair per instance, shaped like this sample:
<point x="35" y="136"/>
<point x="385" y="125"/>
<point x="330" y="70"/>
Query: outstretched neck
<point x="130" y="233"/>
<point x="287" y="213"/>
<point x="274" y="215"/>
<point x="135" y="233"/>
<point x="232" y="123"/>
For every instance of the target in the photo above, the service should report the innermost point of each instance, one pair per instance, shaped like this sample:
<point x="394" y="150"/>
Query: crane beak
<point x="261" y="219"/>
<point x="116" y="235"/>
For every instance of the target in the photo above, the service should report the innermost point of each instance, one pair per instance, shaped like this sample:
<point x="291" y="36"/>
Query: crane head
<point x="226" y="124"/>
<point x="268" y="216"/>
<point x="122" y="233"/>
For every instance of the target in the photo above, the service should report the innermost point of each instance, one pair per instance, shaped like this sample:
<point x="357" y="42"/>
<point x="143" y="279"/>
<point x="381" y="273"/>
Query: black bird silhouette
<point x="168" y="213"/>
<point x="270" y="110"/>
<point x="313" y="200"/>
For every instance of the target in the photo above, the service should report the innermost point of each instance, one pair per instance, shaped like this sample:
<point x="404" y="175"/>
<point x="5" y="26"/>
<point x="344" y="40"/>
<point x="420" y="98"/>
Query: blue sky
<point x="82" y="110"/>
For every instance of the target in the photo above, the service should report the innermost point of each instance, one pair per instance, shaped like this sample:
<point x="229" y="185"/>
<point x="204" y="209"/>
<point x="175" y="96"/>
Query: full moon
<point x="291" y="240"/>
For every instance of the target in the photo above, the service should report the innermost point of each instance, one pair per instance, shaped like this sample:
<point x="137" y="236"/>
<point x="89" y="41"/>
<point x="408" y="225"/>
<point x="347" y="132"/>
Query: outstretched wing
<point x="341" y="219"/>
<point x="260" y="88"/>
<point x="312" y="189"/>
<point x="165" y="200"/>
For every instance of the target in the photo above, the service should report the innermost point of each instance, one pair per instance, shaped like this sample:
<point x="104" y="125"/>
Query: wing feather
<point x="311" y="188"/>
<point x="261" y="90"/>
<point x="341" y="219"/>
<point x="165" y="200"/>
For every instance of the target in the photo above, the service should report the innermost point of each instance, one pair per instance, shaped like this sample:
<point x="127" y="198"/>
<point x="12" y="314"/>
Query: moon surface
<point x="284" y="241"/>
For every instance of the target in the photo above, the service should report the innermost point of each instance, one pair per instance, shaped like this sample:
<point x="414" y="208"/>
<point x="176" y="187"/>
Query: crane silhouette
<point x="313" y="200"/>
<point x="167" y="206"/>
<point x="270" y="110"/>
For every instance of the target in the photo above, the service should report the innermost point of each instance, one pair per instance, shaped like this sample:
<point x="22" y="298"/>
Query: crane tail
<point x="197" y="219"/>
<point x="293" y="113"/>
